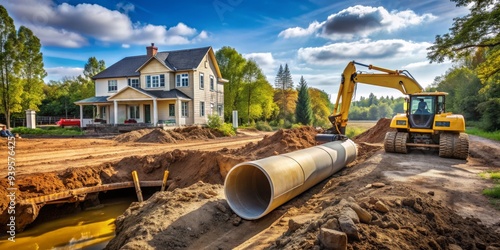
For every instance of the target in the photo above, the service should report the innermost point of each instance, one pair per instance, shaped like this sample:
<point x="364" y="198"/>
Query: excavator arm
<point x="395" y="79"/>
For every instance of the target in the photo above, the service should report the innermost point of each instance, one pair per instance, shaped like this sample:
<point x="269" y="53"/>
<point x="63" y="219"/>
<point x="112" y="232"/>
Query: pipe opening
<point x="248" y="191"/>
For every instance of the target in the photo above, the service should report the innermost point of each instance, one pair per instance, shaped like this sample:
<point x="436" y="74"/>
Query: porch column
<point x="98" y="113"/>
<point x="155" y="112"/>
<point x="81" y="116"/>
<point x="178" y="114"/>
<point x="115" y="112"/>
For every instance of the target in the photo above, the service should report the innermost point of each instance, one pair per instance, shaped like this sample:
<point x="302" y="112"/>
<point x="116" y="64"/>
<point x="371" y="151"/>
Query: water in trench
<point x="88" y="229"/>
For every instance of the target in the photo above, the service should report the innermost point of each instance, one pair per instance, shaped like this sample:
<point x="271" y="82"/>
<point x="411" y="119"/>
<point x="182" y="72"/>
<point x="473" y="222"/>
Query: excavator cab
<point x="423" y="107"/>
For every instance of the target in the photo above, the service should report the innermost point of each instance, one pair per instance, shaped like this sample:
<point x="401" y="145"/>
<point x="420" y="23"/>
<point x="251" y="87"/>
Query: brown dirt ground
<point x="198" y="217"/>
<point x="193" y="213"/>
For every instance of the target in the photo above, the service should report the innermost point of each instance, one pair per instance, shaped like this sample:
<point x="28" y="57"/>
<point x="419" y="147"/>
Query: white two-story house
<point x="179" y="87"/>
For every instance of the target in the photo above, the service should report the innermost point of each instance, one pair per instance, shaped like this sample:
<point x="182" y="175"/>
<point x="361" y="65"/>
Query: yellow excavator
<point x="425" y="123"/>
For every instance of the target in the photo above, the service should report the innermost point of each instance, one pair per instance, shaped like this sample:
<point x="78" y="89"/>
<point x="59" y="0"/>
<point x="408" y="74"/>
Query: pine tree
<point x="287" y="78"/>
<point x="303" y="110"/>
<point x="284" y="82"/>
<point x="278" y="81"/>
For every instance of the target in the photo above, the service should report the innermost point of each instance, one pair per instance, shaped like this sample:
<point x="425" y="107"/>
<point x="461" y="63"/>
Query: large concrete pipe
<point x="255" y="188"/>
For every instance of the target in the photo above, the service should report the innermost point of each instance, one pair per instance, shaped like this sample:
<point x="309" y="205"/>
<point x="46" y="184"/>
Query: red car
<point x="68" y="122"/>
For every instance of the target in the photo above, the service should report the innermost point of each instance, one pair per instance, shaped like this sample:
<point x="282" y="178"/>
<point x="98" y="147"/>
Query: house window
<point x="133" y="112"/>
<point x="112" y="86"/>
<point x="134" y="82"/>
<point x="202" y="109"/>
<point x="182" y="80"/>
<point x="184" y="109"/>
<point x="155" y="81"/>
<point x="202" y="81"/>
<point x="212" y="84"/>
<point x="219" y="110"/>
<point x="171" y="110"/>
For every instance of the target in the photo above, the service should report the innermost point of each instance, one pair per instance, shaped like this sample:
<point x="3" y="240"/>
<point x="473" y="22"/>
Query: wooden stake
<point x="138" y="191"/>
<point x="164" y="183"/>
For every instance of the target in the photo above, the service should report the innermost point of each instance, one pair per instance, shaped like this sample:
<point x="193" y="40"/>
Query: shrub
<point x="214" y="121"/>
<point x="296" y="125"/>
<point x="227" y="129"/>
<point x="263" y="126"/>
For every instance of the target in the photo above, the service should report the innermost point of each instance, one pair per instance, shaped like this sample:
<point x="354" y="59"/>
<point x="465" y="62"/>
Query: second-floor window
<point x="182" y="80"/>
<point x="134" y="82"/>
<point x="212" y="83"/>
<point x="202" y="81"/>
<point x="155" y="81"/>
<point x="112" y="85"/>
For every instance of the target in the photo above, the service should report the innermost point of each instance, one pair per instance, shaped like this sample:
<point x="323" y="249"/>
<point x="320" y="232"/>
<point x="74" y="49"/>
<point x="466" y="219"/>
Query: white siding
<point x="101" y="86"/>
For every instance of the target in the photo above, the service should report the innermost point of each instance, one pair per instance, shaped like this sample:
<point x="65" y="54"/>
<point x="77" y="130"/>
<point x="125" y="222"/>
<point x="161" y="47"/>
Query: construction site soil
<point x="414" y="201"/>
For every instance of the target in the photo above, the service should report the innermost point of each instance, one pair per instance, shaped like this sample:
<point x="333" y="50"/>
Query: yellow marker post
<point x="164" y="182"/>
<point x="138" y="191"/>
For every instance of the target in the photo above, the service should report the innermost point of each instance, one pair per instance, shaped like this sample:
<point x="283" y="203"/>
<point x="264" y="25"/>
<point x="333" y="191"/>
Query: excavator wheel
<point x="452" y="145"/>
<point x="401" y="139"/>
<point x="461" y="146"/>
<point x="389" y="142"/>
<point x="446" y="142"/>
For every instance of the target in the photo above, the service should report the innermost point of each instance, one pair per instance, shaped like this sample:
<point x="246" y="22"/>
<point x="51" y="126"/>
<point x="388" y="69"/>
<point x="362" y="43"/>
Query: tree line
<point x="256" y="100"/>
<point x="472" y="83"/>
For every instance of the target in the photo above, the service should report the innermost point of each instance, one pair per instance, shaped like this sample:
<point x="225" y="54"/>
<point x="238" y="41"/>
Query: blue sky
<point x="316" y="38"/>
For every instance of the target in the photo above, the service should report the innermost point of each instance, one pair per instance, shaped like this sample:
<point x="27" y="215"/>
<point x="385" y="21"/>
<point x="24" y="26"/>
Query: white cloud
<point x="125" y="46"/>
<point x="359" y="22"/>
<point x="125" y="7"/>
<point x="361" y="50"/>
<point x="85" y="21"/>
<point x="265" y="61"/>
<point x="59" y="73"/>
<point x="299" y="32"/>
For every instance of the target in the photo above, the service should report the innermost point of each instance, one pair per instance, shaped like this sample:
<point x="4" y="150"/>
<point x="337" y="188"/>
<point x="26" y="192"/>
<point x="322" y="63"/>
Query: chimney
<point x="151" y="50"/>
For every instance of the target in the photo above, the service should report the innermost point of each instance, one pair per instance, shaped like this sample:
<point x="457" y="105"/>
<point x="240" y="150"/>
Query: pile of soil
<point x="169" y="136"/>
<point x="371" y="141"/>
<point x="283" y="141"/>
<point x="400" y="218"/>
<point x="375" y="134"/>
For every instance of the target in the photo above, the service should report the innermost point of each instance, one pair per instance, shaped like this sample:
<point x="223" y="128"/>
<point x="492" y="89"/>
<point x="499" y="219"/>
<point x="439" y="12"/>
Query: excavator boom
<point x="424" y="124"/>
<point x="396" y="79"/>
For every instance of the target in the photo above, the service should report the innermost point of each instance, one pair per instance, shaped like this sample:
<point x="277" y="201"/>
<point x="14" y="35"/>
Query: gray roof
<point x="176" y="60"/>
<point x="162" y="94"/>
<point x="94" y="99"/>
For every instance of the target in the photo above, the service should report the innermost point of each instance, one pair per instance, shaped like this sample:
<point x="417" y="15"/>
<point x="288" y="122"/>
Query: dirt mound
<point x="132" y="135"/>
<point x="375" y="134"/>
<point x="157" y="136"/>
<point x="283" y="141"/>
<point x="169" y="136"/>
<point x="192" y="217"/>
<point x="196" y="132"/>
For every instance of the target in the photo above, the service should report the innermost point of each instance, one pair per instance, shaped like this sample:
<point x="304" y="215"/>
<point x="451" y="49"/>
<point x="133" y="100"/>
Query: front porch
<point x="132" y="107"/>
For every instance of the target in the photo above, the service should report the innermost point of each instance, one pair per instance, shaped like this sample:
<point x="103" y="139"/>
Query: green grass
<point x="48" y="131"/>
<point x="490" y="135"/>
<point x="490" y="174"/>
<point x="352" y="131"/>
<point x="493" y="192"/>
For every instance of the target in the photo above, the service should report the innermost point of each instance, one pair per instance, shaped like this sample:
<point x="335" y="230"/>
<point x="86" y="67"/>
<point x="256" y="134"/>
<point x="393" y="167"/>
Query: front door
<point x="147" y="113"/>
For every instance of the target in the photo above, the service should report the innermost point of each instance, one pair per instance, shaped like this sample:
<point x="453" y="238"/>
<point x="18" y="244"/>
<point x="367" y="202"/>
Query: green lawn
<point x="48" y="131"/>
<point x="490" y="135"/>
